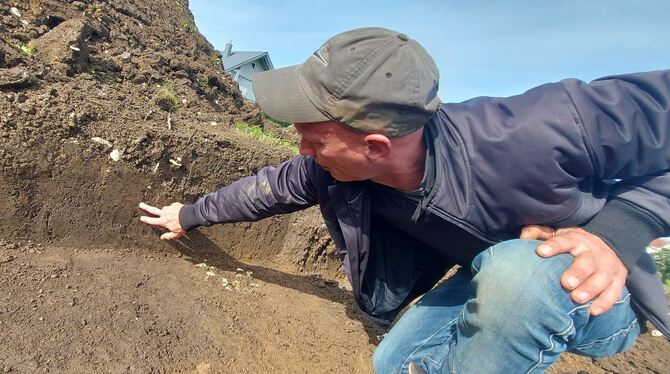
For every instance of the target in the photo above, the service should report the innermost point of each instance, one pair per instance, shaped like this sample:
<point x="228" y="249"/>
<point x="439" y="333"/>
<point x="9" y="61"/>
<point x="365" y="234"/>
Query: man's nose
<point x="306" y="149"/>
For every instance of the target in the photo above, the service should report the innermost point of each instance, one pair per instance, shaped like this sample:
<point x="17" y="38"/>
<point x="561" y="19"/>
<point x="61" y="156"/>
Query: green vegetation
<point x="26" y="49"/>
<point x="278" y="122"/>
<point x="257" y="133"/>
<point x="91" y="71"/>
<point x="189" y="27"/>
<point x="168" y="94"/>
<point x="662" y="260"/>
<point x="216" y="60"/>
<point x="208" y="80"/>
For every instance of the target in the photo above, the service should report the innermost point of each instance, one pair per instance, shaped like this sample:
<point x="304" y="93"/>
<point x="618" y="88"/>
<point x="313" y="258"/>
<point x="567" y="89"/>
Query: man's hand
<point x="167" y="218"/>
<point x="596" y="272"/>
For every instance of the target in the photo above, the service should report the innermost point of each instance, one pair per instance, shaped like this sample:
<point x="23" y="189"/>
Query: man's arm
<point x="625" y="124"/>
<point x="274" y="190"/>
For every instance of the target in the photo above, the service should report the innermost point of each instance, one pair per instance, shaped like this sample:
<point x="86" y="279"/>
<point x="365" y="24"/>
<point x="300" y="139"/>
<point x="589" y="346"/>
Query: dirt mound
<point x="104" y="104"/>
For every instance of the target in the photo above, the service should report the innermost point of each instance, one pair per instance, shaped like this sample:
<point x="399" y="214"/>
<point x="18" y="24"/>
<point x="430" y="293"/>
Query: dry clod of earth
<point x="84" y="286"/>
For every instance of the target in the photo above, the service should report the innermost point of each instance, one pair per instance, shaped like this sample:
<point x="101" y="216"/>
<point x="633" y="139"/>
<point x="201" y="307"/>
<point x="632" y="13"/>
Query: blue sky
<point x="492" y="48"/>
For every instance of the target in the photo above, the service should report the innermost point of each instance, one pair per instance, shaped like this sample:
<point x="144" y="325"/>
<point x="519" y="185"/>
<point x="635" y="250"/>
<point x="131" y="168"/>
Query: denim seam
<point x="424" y="342"/>
<point x="431" y="360"/>
<point x="461" y="316"/>
<point x="551" y="339"/>
<point x="589" y="304"/>
<point x="622" y="331"/>
<point x="552" y="336"/>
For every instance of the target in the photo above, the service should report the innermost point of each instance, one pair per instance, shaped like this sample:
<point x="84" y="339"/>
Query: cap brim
<point x="279" y="94"/>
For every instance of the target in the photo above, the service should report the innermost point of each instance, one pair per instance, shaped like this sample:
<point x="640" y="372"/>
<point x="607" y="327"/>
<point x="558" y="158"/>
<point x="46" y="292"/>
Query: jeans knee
<point x="383" y="357"/>
<point x="512" y="280"/>
<point x="513" y="267"/>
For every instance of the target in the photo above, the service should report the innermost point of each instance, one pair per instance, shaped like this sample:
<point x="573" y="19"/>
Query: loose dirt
<point x="104" y="104"/>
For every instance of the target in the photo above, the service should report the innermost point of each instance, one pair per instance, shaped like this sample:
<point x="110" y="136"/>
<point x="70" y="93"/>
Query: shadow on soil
<point x="198" y="249"/>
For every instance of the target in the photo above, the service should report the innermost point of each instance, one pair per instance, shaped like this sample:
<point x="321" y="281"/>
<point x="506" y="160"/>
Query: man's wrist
<point x="625" y="229"/>
<point x="188" y="218"/>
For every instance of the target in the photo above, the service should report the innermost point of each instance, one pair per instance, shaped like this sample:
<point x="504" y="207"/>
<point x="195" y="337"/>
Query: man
<point x="409" y="187"/>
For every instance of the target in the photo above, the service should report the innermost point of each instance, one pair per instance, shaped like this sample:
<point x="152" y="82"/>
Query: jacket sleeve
<point x="274" y="190"/>
<point x="625" y="121"/>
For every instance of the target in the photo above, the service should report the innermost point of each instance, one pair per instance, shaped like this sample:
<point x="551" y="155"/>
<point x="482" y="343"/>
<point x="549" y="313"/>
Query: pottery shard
<point x="15" y="78"/>
<point x="65" y="47"/>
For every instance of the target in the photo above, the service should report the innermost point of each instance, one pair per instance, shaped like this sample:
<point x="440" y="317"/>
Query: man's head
<point x="372" y="80"/>
<point x="351" y="155"/>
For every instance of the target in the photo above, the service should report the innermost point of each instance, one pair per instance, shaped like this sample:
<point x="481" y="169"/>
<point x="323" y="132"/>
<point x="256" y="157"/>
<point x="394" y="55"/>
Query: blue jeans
<point x="509" y="315"/>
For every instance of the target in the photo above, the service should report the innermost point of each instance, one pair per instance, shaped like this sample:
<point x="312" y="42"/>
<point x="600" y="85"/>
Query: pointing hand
<point x="166" y="217"/>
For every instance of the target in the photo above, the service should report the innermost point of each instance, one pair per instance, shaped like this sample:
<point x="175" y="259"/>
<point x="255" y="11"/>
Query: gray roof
<point x="236" y="59"/>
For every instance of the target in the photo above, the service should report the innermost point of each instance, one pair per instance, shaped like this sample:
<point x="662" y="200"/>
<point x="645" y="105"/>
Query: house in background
<point x="242" y="66"/>
<point x="659" y="244"/>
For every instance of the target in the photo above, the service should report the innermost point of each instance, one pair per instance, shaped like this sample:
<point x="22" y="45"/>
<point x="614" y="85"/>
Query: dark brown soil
<point x="84" y="286"/>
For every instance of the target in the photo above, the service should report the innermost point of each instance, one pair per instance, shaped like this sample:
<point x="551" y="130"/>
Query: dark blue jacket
<point x="594" y="155"/>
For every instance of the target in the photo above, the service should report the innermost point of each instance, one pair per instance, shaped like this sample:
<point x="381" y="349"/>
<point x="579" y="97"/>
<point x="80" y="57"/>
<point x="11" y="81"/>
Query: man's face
<point x="339" y="150"/>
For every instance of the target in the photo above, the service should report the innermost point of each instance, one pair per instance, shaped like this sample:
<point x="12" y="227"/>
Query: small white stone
<point x="125" y="55"/>
<point x="176" y="162"/>
<point x="75" y="48"/>
<point x="15" y="12"/>
<point x="656" y="333"/>
<point x="201" y="265"/>
<point x="115" y="155"/>
<point x="102" y="141"/>
<point x="213" y="123"/>
<point x="239" y="270"/>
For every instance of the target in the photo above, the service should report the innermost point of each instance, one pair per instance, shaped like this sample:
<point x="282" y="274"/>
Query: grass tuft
<point x="257" y="133"/>
<point x="26" y="49"/>
<point x="189" y="27"/>
<point x="168" y="94"/>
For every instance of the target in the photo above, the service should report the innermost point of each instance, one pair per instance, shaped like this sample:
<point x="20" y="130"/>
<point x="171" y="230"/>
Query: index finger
<point x="150" y="209"/>
<point x="556" y="245"/>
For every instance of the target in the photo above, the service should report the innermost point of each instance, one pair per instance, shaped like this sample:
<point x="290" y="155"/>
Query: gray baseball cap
<point x="372" y="80"/>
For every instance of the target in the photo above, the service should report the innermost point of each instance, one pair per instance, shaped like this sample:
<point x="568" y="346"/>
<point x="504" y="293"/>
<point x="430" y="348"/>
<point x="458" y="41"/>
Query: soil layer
<point x="104" y="104"/>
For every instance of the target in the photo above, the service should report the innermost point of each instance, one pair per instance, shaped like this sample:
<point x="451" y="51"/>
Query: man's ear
<point x="379" y="147"/>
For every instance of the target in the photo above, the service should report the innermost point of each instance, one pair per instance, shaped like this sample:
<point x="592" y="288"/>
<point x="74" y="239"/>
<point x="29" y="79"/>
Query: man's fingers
<point x="171" y="235"/>
<point x="607" y="298"/>
<point x="150" y="209"/>
<point x="578" y="272"/>
<point x="154" y="221"/>
<point x="556" y="245"/>
<point x="592" y="287"/>
<point x="537" y="232"/>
